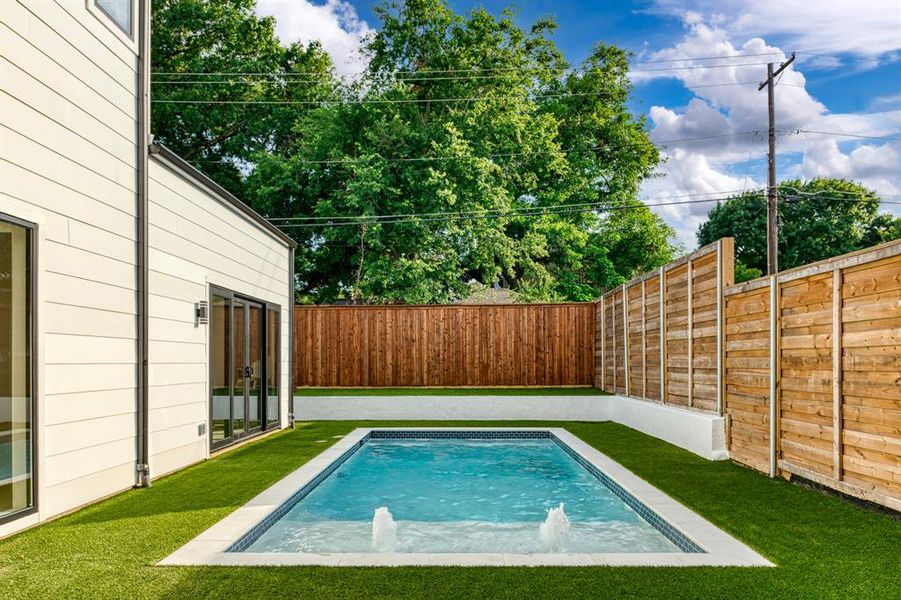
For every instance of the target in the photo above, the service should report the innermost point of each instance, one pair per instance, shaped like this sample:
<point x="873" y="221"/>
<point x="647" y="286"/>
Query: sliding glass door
<point x="17" y="489"/>
<point x="241" y="367"/>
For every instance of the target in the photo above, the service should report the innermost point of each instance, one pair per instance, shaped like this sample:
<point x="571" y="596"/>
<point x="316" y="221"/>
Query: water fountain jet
<point x="384" y="530"/>
<point x="554" y="532"/>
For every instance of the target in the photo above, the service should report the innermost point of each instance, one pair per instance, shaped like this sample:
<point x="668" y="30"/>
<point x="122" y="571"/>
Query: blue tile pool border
<point x="674" y="535"/>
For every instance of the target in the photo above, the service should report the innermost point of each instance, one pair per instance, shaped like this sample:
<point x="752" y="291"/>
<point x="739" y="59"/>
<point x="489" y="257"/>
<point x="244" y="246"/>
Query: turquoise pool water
<point x="461" y="496"/>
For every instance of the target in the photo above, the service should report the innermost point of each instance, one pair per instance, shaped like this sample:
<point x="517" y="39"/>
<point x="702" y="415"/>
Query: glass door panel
<point x="239" y="394"/>
<point x="272" y="367"/>
<point x="220" y="369"/>
<point x="16" y="458"/>
<point x="253" y="368"/>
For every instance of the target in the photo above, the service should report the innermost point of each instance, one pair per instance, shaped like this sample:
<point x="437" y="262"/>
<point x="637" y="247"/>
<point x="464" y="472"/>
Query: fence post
<point x="662" y="278"/>
<point x="774" y="375"/>
<point x="603" y="347"/>
<point x="690" y="326"/>
<point x="837" y="374"/>
<point x="719" y="327"/>
<point x="613" y="306"/>
<point x="626" y="338"/>
<point x="644" y="344"/>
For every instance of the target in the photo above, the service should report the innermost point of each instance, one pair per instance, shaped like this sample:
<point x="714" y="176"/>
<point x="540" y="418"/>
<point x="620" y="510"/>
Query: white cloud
<point x="866" y="29"/>
<point x="727" y="104"/>
<point x="335" y="24"/>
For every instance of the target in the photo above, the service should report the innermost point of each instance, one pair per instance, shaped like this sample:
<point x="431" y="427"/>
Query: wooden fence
<point x="455" y="345"/>
<point x="660" y="337"/>
<point x="814" y="386"/>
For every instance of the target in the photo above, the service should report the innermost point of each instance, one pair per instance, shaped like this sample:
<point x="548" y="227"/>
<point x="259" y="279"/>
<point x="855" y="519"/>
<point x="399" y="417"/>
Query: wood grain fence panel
<point x="388" y="346"/>
<point x="838" y="384"/>
<point x="747" y="319"/>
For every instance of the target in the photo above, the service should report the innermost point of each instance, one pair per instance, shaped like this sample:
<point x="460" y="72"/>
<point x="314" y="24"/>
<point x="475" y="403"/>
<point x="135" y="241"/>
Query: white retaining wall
<point x="702" y="434"/>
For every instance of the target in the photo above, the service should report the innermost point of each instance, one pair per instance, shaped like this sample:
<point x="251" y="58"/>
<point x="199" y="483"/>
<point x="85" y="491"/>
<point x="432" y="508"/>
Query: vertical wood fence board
<point x="398" y="346"/>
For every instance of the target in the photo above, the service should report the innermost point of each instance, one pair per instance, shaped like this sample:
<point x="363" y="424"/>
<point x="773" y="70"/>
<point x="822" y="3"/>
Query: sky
<point x="697" y="64"/>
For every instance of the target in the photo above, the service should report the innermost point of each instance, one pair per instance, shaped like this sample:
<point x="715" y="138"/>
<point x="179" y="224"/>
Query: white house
<point x="114" y="254"/>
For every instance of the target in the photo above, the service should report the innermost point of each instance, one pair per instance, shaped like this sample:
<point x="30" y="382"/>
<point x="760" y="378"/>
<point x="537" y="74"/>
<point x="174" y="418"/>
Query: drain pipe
<point x="142" y="466"/>
<point x="291" y="338"/>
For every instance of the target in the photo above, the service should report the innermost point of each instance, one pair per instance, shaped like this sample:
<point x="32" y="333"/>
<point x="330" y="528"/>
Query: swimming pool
<point x="463" y="496"/>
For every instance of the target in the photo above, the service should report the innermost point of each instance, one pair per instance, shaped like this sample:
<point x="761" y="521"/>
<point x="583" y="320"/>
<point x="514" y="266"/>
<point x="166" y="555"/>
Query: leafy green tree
<point x="220" y="51"/>
<point x="818" y="219"/>
<point x="470" y="115"/>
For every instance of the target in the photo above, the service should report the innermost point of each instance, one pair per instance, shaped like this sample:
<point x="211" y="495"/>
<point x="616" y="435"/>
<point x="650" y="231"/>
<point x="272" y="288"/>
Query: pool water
<point x="460" y="496"/>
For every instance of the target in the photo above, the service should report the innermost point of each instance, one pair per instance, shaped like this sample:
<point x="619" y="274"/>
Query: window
<point x="244" y="368"/>
<point x="272" y="367"/>
<point x="16" y="369"/>
<point x="120" y="11"/>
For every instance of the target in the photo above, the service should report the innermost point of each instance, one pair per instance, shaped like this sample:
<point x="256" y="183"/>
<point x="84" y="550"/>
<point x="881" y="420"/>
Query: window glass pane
<point x="239" y="382"/>
<point x="220" y="370"/>
<point x="15" y="369"/>
<point x="119" y="11"/>
<point x="274" y="368"/>
<point x="255" y="362"/>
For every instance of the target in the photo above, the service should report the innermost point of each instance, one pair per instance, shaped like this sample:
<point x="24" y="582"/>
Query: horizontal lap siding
<point x="197" y="241"/>
<point x="398" y="346"/>
<point x="68" y="163"/>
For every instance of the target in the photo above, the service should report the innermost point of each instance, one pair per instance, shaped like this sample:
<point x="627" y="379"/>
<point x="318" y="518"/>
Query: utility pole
<point x="772" y="210"/>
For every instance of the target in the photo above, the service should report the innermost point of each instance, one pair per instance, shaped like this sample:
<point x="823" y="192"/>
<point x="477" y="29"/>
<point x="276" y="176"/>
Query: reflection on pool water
<point x="461" y="496"/>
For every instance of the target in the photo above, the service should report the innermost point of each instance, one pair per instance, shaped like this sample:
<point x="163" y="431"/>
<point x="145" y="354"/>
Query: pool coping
<point x="211" y="547"/>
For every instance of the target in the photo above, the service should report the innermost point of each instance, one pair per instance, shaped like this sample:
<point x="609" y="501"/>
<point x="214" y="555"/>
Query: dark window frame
<point x="265" y="425"/>
<point x="131" y="21"/>
<point x="32" y="359"/>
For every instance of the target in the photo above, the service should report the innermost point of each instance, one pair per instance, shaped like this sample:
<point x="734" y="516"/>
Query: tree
<point x="818" y="219"/>
<point x="482" y="131"/>
<point x="219" y="50"/>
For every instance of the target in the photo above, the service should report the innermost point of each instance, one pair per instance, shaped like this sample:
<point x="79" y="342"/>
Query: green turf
<point x="824" y="547"/>
<point x="442" y="391"/>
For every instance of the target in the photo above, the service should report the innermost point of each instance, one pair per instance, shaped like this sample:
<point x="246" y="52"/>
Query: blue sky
<point x="846" y="80"/>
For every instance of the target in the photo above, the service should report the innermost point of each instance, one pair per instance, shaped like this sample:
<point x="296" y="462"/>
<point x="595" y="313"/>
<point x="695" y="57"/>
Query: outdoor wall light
<point x="202" y="312"/>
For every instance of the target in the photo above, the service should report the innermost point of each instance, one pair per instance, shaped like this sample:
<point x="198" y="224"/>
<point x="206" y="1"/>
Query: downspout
<point x="291" y="337"/>
<point x="142" y="466"/>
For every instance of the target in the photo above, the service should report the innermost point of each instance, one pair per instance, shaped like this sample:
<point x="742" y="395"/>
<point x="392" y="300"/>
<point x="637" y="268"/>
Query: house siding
<point x="198" y="240"/>
<point x="68" y="164"/>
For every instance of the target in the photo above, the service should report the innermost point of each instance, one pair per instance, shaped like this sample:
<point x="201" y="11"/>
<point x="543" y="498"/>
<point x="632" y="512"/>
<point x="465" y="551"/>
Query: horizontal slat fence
<point x="814" y="386"/>
<point x="661" y="338"/>
<point x="451" y="345"/>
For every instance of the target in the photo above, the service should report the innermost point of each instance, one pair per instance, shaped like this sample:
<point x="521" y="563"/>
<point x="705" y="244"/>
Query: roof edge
<point x="163" y="153"/>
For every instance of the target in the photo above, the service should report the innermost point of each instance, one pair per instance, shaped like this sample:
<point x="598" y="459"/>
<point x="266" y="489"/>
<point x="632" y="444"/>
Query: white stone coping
<point x="210" y="547"/>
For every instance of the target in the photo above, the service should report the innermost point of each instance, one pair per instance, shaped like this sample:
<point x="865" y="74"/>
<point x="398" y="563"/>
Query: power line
<point x="537" y="212"/>
<point x="459" y="70"/>
<point x="341" y="161"/>
<point x="479" y="211"/>
<point x="378" y="101"/>
<point x="852" y="135"/>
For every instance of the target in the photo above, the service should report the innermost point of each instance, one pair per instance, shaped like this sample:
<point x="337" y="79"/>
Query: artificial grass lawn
<point x="440" y="391"/>
<point x="824" y="547"/>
